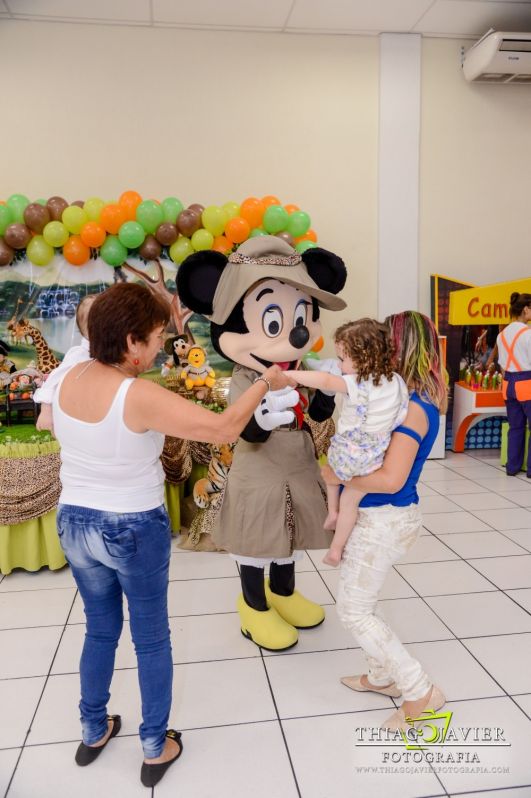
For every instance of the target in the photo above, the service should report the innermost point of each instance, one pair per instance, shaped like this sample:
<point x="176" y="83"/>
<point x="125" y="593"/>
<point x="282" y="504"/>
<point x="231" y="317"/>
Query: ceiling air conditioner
<point x="499" y="58"/>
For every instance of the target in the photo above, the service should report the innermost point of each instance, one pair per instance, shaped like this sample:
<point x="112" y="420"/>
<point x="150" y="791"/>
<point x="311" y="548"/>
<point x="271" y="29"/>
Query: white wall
<point x="206" y="116"/>
<point x="475" y="207"/>
<point x="218" y="116"/>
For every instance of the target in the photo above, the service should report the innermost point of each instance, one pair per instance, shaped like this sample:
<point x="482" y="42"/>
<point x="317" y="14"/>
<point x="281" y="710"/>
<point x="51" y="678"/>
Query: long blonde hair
<point x="418" y="356"/>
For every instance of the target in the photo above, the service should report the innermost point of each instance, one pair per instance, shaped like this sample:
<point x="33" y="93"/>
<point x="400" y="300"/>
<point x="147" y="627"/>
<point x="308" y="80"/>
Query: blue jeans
<point x="111" y="554"/>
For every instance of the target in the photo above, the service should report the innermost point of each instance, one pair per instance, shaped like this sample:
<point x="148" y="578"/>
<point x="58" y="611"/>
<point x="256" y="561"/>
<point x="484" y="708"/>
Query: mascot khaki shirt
<point x="274" y="499"/>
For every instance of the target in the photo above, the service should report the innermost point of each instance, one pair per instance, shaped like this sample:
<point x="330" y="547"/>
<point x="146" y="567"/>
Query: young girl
<point x="373" y="401"/>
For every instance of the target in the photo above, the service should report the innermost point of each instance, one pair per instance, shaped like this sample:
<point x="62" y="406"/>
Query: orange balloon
<point x="93" y="234"/>
<point x="237" y="230"/>
<point x="222" y="244"/>
<point x="112" y="218"/>
<point x="310" y="235"/>
<point x="270" y="200"/>
<point x="318" y="345"/>
<point x="129" y="201"/>
<point x="252" y="210"/>
<point x="291" y="208"/>
<point x="75" y="251"/>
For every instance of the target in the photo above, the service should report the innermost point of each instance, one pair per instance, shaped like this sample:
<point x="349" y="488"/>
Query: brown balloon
<point x="56" y="206"/>
<point x="36" y="217"/>
<point x="197" y="208"/>
<point x="287" y="238"/>
<point x="150" y="249"/>
<point x="188" y="221"/>
<point x="79" y="203"/>
<point x="17" y="236"/>
<point x="166" y="234"/>
<point x="6" y="253"/>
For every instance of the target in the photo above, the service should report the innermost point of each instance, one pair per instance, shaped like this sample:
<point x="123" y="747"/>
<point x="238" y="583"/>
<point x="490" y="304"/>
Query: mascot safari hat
<point x="266" y="257"/>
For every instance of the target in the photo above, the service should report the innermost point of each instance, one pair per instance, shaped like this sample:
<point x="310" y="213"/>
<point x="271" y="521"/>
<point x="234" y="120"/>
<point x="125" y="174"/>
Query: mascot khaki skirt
<point x="274" y="500"/>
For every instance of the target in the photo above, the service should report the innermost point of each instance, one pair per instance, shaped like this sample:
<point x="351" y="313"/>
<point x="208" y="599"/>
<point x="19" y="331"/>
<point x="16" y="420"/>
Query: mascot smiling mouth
<point x="285" y="365"/>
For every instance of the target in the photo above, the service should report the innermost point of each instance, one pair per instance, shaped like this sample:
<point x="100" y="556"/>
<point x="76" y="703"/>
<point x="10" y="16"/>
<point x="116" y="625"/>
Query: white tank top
<point x="106" y="466"/>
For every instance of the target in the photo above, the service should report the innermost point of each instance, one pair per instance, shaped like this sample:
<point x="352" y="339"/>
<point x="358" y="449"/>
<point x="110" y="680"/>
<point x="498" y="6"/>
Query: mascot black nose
<point x="299" y="336"/>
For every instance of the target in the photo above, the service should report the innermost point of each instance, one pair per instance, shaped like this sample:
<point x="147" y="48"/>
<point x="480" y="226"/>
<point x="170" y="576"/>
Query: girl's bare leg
<point x="332" y="495"/>
<point x="348" y="512"/>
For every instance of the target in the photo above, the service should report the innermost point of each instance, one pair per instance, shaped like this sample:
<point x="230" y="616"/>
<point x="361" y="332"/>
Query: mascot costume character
<point x="263" y="303"/>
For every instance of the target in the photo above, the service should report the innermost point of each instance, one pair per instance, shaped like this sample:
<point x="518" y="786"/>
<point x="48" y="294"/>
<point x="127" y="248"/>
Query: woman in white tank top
<point x="112" y="523"/>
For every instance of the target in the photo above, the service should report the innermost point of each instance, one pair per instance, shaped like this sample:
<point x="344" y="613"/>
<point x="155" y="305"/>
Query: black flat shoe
<point x="86" y="754"/>
<point x="152" y="774"/>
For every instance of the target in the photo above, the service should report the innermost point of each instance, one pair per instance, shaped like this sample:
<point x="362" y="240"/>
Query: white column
<point x="398" y="179"/>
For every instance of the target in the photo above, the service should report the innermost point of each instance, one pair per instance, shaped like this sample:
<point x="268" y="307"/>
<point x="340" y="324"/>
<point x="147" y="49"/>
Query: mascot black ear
<point x="198" y="278"/>
<point x="326" y="269"/>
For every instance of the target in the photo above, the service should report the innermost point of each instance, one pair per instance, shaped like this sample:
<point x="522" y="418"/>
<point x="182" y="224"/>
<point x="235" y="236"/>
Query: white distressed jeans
<point x="380" y="538"/>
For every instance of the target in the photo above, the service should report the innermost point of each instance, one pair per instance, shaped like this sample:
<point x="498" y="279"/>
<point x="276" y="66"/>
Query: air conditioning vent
<point x="499" y="58"/>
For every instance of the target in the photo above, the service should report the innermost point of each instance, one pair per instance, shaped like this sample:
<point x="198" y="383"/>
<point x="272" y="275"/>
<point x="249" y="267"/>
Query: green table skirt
<point x="35" y="543"/>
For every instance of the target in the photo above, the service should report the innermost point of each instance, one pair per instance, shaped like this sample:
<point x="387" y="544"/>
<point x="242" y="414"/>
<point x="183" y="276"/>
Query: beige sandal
<point x="397" y="721"/>
<point x="354" y="682"/>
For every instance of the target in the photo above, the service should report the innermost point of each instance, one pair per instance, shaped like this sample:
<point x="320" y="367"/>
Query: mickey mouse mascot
<point x="263" y="303"/>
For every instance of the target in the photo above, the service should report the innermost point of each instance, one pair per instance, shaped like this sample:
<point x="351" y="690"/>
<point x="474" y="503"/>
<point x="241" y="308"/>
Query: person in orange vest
<point x="514" y="353"/>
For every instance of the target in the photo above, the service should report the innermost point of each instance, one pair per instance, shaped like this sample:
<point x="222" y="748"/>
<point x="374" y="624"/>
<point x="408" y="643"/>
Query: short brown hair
<point x="122" y="310"/>
<point x="368" y="345"/>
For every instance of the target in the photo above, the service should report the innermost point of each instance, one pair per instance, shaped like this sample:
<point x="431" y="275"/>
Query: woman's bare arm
<point x="398" y="460"/>
<point x="156" y="408"/>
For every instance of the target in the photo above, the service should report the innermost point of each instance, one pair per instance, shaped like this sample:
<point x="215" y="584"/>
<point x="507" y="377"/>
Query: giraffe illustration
<point x="46" y="360"/>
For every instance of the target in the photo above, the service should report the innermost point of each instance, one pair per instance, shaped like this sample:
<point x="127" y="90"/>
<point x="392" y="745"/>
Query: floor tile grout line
<point x="493" y="790"/>
<point x="271" y="720"/>
<point x="274" y="656"/>
<point x="477" y="660"/>
<point x="28" y="732"/>
<point x="501" y="590"/>
<point x="288" y="752"/>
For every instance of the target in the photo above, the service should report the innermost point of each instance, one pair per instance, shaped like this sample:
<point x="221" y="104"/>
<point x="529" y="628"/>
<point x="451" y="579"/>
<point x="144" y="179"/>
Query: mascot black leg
<point x="253" y="587"/>
<point x="282" y="578"/>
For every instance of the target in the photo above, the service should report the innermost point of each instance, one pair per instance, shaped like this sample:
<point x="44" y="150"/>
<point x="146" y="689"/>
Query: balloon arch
<point x="137" y="227"/>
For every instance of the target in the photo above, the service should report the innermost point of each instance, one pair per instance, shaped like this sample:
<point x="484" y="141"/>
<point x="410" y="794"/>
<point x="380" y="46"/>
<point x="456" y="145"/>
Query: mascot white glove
<point x="327" y="366"/>
<point x="273" y="410"/>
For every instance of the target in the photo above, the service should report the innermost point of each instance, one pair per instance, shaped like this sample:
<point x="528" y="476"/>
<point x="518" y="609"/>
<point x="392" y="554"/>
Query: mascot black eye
<point x="299" y="317"/>
<point x="272" y="321"/>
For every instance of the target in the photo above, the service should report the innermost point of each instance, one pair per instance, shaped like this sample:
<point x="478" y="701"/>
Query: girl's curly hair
<point x="368" y="344"/>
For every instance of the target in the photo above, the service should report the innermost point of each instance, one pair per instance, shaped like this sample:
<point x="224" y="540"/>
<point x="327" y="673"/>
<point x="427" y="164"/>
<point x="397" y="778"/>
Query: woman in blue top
<point x="389" y="522"/>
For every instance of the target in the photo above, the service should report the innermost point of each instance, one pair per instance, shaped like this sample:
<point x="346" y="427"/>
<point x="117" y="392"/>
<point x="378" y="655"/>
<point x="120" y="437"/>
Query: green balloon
<point x="275" y="219"/>
<point x="257" y="231"/>
<point x="41" y="201"/>
<point x="131" y="235"/>
<point x="171" y="208"/>
<point x="202" y="239"/>
<point x="181" y="249"/>
<point x="302" y="246"/>
<point x="39" y="252"/>
<point x="113" y="251"/>
<point x="298" y="223"/>
<point x="150" y="214"/>
<point x="17" y="204"/>
<point x="6" y="218"/>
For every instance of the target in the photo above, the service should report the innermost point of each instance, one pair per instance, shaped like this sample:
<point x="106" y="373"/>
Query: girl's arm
<point x="153" y="407"/>
<point x="319" y="380"/>
<point x="398" y="460"/>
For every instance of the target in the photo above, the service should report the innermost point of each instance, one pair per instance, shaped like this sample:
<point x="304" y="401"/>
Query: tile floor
<point x="282" y="725"/>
